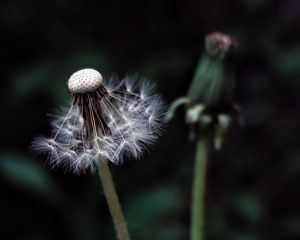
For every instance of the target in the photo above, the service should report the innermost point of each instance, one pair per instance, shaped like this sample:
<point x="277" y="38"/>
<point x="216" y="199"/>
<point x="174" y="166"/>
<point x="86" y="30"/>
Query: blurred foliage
<point x="252" y="184"/>
<point x="157" y="209"/>
<point x="23" y="172"/>
<point x="50" y="74"/>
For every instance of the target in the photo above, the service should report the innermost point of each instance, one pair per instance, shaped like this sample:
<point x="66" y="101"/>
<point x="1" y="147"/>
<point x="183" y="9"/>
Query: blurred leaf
<point x="291" y="225"/>
<point x="244" y="236"/>
<point x="216" y="222"/>
<point x="248" y="207"/>
<point x="288" y="63"/>
<point x="152" y="214"/>
<point x="25" y="173"/>
<point x="51" y="75"/>
<point x="221" y="227"/>
<point x="41" y="77"/>
<point x="254" y="4"/>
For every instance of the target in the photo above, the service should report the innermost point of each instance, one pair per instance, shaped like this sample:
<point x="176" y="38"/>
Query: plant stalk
<point x="197" y="211"/>
<point x="113" y="200"/>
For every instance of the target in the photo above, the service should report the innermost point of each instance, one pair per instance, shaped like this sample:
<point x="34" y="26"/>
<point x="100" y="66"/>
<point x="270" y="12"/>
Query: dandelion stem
<point x="113" y="200"/>
<point x="197" y="211"/>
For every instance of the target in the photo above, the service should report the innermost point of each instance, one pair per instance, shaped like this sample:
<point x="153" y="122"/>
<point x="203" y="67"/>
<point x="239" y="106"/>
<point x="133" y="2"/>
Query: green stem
<point x="197" y="212"/>
<point x="113" y="200"/>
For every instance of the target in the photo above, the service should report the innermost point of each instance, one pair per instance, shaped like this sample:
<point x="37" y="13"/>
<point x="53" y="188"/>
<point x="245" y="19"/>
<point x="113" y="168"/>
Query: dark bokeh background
<point x="252" y="184"/>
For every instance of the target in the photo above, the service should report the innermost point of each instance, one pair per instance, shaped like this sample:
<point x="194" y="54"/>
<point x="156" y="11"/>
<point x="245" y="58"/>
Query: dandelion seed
<point x="110" y="121"/>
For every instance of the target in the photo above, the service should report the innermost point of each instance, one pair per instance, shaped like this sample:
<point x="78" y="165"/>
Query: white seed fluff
<point x="133" y="114"/>
<point x="84" y="81"/>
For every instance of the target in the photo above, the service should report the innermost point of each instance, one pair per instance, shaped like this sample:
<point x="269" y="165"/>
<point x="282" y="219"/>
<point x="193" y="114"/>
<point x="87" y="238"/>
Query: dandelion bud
<point x="209" y="102"/>
<point x="218" y="44"/>
<point x="213" y="80"/>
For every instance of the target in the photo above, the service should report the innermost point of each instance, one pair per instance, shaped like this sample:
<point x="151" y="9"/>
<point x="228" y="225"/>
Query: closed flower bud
<point x="213" y="81"/>
<point x="209" y="102"/>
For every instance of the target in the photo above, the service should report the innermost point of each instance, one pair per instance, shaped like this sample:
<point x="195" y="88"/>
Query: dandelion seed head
<point x="112" y="119"/>
<point x="84" y="81"/>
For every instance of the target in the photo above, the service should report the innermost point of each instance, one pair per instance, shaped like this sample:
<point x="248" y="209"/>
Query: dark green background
<point x="252" y="184"/>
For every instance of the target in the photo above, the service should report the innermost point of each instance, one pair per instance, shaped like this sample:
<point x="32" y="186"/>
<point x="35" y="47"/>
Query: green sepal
<point x="193" y="113"/>
<point x="221" y="129"/>
<point x="174" y="106"/>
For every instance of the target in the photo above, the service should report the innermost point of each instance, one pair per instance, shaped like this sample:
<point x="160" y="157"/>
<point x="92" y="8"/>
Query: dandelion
<point x="105" y="120"/>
